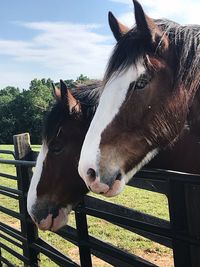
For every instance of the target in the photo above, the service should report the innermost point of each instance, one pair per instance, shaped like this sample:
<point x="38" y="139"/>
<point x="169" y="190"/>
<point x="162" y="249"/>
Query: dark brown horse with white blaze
<point x="149" y="86"/>
<point x="56" y="186"/>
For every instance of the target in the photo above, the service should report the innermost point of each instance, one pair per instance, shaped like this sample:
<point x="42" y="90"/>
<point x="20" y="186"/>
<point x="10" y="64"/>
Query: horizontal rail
<point x="150" y="185"/>
<point x="56" y="256"/>
<point x="69" y="233"/>
<point x="12" y="213"/>
<point x="166" y="175"/>
<point x="9" y="194"/>
<point x="160" y="231"/>
<point x="11" y="241"/>
<point x="105" y="251"/>
<point x="14" y="253"/>
<point x="9" y="264"/>
<point x="18" y="162"/>
<point x="11" y="190"/>
<point x="116" y="253"/>
<point x="2" y="151"/>
<point x="12" y="232"/>
<point x="119" y="210"/>
<point x="8" y="176"/>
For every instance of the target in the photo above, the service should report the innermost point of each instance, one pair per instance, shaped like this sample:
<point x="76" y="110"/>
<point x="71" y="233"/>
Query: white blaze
<point x="32" y="194"/>
<point x="146" y="159"/>
<point x="111" y="100"/>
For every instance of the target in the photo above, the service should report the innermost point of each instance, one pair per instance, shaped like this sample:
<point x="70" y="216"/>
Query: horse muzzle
<point x="49" y="216"/>
<point x="109" y="184"/>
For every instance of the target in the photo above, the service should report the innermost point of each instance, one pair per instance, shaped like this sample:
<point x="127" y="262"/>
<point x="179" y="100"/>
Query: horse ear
<point x="147" y="27"/>
<point x="117" y="28"/>
<point x="56" y="92"/>
<point x="68" y="99"/>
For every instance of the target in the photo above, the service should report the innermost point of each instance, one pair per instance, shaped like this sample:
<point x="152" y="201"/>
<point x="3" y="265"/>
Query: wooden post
<point x="22" y="150"/>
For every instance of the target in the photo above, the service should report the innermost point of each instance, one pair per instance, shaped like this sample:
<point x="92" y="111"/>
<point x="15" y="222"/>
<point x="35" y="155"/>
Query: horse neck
<point x="194" y="114"/>
<point x="183" y="156"/>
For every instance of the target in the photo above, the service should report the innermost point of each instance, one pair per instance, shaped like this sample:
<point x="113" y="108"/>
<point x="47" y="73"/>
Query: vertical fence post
<point x="23" y="152"/>
<point x="83" y="237"/>
<point x="178" y="221"/>
<point x="192" y="196"/>
<point x="184" y="206"/>
<point x="0" y="258"/>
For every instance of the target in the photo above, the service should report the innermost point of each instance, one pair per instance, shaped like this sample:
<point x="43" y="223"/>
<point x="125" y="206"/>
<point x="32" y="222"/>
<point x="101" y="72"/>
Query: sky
<point x="61" y="39"/>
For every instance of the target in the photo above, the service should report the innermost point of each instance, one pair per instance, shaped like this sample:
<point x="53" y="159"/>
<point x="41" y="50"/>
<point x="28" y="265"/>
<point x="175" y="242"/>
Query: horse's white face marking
<point x="32" y="193"/>
<point x="111" y="100"/>
<point x="150" y="155"/>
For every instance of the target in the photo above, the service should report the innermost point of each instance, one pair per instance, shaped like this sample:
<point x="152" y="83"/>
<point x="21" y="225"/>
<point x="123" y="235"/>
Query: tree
<point x="82" y="78"/>
<point x="7" y="121"/>
<point x="24" y="111"/>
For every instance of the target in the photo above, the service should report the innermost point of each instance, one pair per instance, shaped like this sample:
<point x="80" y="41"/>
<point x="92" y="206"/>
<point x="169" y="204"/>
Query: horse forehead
<point x="114" y="95"/>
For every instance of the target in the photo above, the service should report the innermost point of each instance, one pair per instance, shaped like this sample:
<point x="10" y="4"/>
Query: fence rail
<point x="182" y="233"/>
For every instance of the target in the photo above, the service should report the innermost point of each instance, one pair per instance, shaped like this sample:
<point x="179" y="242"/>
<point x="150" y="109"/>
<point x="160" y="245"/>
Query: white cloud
<point x="126" y="2"/>
<point x="182" y="11"/>
<point x="65" y="49"/>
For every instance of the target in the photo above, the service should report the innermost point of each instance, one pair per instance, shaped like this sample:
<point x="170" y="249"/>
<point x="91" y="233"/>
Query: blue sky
<point x="63" y="38"/>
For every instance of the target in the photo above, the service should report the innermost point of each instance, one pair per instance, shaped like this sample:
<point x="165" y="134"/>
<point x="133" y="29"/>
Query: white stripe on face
<point x="150" y="155"/>
<point x="111" y="100"/>
<point x="32" y="193"/>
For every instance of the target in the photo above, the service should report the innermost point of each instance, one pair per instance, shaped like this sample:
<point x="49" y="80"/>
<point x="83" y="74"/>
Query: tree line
<point x="25" y="110"/>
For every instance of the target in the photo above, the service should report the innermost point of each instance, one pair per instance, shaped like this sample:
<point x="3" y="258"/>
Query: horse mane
<point x="88" y="96"/>
<point x="125" y="53"/>
<point x="184" y="40"/>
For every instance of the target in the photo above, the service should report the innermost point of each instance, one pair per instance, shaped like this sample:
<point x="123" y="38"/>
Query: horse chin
<point x="54" y="224"/>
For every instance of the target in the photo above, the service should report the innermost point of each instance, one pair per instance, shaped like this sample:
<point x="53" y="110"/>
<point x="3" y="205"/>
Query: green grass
<point x="141" y="200"/>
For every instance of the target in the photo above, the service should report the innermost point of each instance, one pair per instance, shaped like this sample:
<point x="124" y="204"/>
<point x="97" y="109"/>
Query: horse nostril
<point x="116" y="177"/>
<point x="54" y="211"/>
<point x="119" y="176"/>
<point x="91" y="174"/>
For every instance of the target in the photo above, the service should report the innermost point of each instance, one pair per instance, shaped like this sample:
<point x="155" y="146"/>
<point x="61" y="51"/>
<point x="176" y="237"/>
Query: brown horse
<point x="56" y="186"/>
<point x="149" y="86"/>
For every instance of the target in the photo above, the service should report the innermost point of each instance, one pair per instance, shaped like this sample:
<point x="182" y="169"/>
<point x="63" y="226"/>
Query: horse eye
<point x="143" y="80"/>
<point x="56" y="149"/>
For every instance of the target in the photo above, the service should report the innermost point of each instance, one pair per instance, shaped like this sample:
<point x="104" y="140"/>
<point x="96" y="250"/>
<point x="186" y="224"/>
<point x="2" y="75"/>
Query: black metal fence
<point x="182" y="233"/>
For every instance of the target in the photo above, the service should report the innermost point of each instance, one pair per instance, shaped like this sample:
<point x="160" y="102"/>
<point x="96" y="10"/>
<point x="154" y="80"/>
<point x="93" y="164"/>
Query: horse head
<point x="149" y="85"/>
<point x="56" y="186"/>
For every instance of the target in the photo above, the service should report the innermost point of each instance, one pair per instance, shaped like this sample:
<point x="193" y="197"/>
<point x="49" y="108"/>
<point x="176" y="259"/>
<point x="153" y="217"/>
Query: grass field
<point x="141" y="200"/>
